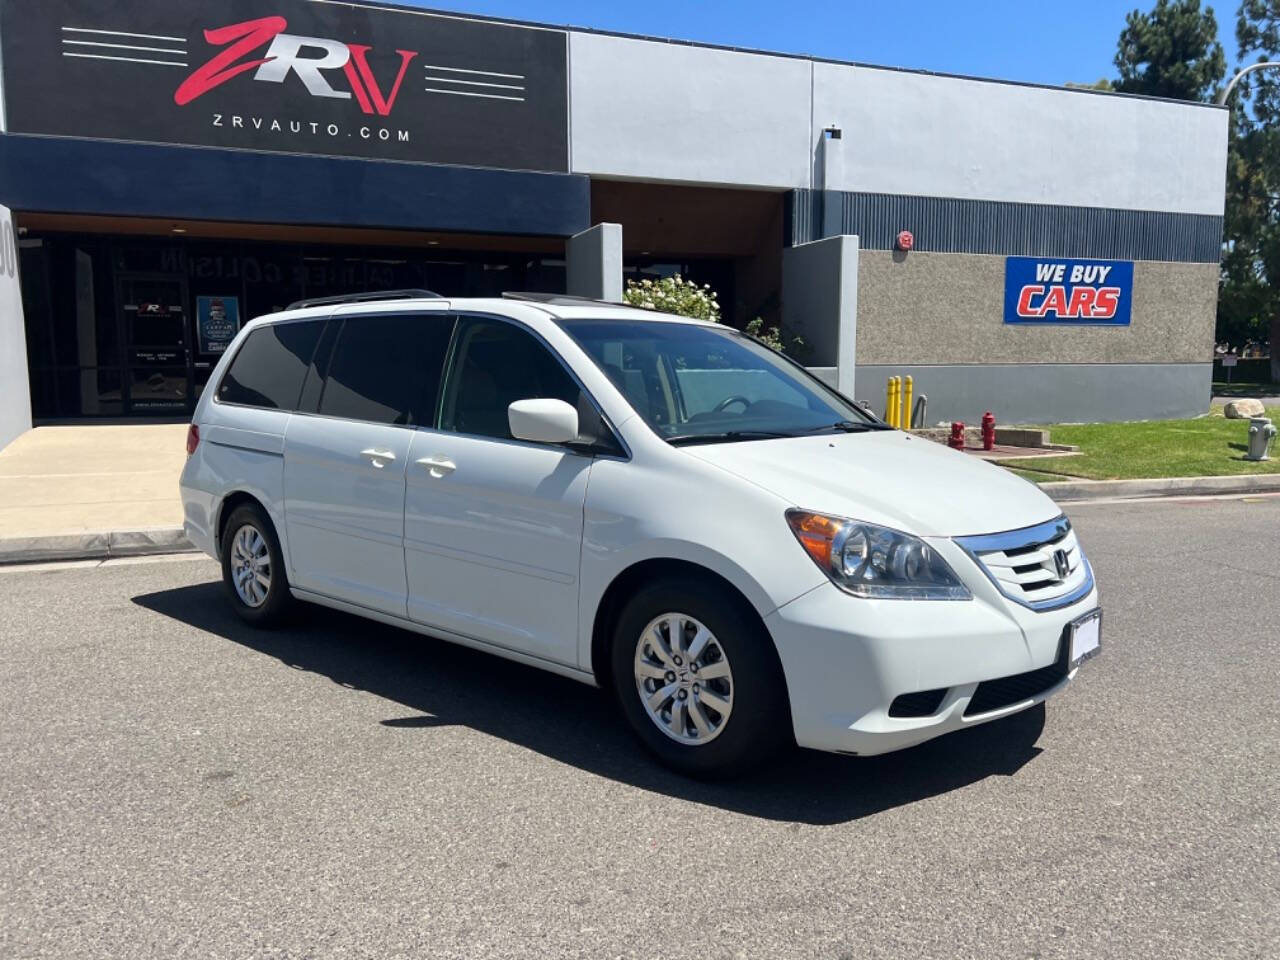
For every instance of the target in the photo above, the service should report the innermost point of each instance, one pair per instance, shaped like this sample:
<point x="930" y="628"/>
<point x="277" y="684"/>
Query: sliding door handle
<point x="438" y="466"/>
<point x="379" y="458"/>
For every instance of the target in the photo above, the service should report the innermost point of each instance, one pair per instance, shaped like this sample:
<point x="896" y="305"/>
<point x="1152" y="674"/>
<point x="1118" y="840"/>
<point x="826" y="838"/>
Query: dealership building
<point x="171" y="169"/>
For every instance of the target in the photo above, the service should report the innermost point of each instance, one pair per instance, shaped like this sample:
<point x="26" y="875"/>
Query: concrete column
<point x="15" y="389"/>
<point x="594" y="263"/>
<point x="830" y="179"/>
<point x="820" y="303"/>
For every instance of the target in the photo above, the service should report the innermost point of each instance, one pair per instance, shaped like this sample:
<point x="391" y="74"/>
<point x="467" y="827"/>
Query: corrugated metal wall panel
<point x="949" y="225"/>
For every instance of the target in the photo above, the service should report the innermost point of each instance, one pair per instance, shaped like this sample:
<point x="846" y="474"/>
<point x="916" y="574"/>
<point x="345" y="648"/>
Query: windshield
<point x="694" y="383"/>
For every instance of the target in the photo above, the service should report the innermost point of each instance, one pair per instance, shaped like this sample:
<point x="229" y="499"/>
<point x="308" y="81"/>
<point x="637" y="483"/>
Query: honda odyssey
<point x="664" y="507"/>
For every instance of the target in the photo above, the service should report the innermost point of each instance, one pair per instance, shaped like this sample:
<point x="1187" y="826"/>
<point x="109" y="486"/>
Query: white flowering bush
<point x="674" y="295"/>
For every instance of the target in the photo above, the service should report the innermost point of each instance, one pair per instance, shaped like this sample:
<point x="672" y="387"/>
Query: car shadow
<point x="429" y="683"/>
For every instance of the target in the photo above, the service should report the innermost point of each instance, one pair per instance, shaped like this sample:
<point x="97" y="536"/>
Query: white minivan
<point x="661" y="506"/>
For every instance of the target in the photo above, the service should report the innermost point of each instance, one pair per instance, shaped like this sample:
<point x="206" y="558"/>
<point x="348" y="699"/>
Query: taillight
<point x="193" y="439"/>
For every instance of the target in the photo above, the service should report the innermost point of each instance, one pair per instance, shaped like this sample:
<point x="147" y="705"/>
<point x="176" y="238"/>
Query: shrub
<point x="674" y="295"/>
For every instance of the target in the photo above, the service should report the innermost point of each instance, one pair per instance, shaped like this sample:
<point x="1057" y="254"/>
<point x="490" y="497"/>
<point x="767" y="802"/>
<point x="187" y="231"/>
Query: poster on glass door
<point x="217" y="322"/>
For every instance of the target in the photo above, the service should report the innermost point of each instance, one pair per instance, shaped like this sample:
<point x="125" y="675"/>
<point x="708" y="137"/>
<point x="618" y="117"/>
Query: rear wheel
<point x="697" y="678"/>
<point x="253" y="567"/>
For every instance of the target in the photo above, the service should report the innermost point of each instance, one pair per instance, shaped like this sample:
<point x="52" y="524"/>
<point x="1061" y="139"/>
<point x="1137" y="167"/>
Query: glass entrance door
<point x="153" y="313"/>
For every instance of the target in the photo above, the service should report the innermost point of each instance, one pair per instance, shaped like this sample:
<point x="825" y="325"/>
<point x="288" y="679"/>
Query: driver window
<point x="639" y="371"/>
<point x="495" y="364"/>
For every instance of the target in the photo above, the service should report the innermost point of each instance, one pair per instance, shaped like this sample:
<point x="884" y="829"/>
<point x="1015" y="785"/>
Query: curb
<point x="1077" y="490"/>
<point x="94" y="546"/>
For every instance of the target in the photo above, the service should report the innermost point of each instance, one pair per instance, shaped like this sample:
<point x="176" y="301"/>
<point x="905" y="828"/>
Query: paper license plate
<point x="1085" y="637"/>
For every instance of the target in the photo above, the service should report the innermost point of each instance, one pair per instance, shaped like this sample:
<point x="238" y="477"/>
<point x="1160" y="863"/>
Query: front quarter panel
<point x="675" y="506"/>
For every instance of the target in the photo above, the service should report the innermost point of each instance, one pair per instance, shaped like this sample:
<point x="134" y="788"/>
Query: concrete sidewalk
<point x="73" y="480"/>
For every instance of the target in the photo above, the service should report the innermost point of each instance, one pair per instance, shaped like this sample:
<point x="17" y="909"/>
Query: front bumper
<point x="847" y="659"/>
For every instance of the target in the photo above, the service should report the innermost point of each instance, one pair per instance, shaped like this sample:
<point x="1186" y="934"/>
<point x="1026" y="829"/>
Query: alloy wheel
<point x="250" y="566"/>
<point x="683" y="679"/>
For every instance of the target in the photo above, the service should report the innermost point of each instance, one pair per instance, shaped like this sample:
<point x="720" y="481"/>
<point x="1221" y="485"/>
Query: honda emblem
<point x="1060" y="561"/>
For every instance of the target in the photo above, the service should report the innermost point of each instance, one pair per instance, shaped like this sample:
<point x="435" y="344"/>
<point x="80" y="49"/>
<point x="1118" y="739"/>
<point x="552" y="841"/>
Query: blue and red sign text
<point x="1090" y="292"/>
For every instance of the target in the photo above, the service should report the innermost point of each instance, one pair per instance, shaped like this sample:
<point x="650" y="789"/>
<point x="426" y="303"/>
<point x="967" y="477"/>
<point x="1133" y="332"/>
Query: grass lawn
<point x="1208" y="446"/>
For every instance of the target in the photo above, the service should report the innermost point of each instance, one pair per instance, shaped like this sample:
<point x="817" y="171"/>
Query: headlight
<point x="871" y="561"/>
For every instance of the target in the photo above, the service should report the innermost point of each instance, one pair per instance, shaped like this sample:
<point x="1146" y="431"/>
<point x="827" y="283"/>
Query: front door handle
<point x="379" y="458"/>
<point x="438" y="466"/>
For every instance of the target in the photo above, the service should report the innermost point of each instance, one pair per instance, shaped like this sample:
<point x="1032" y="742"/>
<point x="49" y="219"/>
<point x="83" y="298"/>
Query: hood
<point x="889" y="478"/>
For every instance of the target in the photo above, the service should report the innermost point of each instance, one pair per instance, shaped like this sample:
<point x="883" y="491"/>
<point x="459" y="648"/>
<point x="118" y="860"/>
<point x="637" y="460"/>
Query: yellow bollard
<point x="906" y="404"/>
<point x="892" y="408"/>
<point x="888" y="401"/>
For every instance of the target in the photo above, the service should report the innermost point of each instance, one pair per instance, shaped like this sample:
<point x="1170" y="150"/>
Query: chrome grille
<point x="1040" y="567"/>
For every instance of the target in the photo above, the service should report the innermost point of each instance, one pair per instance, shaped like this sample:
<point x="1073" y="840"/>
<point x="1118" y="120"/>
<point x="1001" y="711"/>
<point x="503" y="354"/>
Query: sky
<point x="1034" y="41"/>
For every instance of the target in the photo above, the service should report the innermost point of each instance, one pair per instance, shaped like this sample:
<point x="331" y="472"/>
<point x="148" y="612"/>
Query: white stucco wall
<point x="675" y="112"/>
<point x="664" y="111"/>
<point x="910" y="133"/>
<point x="15" y="391"/>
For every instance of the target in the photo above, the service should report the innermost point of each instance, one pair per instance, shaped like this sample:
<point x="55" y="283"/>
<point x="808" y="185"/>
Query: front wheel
<point x="697" y="678"/>
<point x="253" y="567"/>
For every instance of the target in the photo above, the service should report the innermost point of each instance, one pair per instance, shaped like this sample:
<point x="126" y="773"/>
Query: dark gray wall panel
<point x="949" y="225"/>
<point x="57" y="175"/>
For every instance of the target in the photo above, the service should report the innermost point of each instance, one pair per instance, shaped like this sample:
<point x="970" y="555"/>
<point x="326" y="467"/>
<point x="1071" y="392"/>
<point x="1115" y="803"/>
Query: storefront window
<point x="135" y="325"/>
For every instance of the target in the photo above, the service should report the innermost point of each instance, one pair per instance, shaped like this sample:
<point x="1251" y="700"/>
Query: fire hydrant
<point x="988" y="431"/>
<point x="1262" y="437"/>
<point x="956" y="440"/>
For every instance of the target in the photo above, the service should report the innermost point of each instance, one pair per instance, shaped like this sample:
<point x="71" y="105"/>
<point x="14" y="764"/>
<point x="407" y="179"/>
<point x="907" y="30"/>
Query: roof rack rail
<point x="366" y="298"/>
<point x="564" y="299"/>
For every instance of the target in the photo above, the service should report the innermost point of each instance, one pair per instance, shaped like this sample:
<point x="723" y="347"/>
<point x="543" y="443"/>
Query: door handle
<point x="438" y="466"/>
<point x="379" y="458"/>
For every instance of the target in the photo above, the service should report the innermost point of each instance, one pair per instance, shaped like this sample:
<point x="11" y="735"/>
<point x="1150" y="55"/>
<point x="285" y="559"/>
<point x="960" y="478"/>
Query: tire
<point x="258" y="604"/>
<point x="734" y="714"/>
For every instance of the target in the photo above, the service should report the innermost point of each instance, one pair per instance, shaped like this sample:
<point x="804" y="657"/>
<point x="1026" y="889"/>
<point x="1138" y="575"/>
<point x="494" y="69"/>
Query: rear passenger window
<point x="386" y="368"/>
<point x="496" y="364"/>
<point x="268" y="369"/>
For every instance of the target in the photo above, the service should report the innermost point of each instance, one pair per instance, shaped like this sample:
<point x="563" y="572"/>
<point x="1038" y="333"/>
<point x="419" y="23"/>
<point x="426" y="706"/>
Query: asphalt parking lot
<point x="176" y="784"/>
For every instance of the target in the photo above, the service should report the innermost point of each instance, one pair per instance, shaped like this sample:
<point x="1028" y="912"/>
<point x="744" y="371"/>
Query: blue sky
<point x="1028" y="40"/>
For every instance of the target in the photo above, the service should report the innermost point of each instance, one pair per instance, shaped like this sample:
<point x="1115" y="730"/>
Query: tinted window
<point x="386" y="369"/>
<point x="496" y="364"/>
<point x="268" y="369"/>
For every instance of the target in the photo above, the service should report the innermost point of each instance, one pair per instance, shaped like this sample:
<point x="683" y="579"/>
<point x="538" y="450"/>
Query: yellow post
<point x="888" y="401"/>
<point x="894" y="386"/>
<point x="906" y="405"/>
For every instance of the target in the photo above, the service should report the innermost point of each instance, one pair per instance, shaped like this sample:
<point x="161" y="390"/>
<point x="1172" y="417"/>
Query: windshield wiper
<point x="731" y="436"/>
<point x="851" y="426"/>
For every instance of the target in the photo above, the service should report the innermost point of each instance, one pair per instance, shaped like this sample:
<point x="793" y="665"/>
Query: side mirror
<point x="543" y="421"/>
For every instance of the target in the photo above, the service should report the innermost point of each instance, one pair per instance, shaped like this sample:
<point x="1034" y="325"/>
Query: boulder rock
<point x="1244" y="409"/>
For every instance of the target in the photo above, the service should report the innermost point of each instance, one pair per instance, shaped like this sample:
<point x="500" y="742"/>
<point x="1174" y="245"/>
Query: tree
<point x="1102" y="83"/>
<point x="1173" y="51"/>
<point x="1249" y="303"/>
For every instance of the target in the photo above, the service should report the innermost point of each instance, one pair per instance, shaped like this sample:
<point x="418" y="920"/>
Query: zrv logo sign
<point x="1085" y="292"/>
<point x="327" y="77"/>
<point x="309" y="58"/>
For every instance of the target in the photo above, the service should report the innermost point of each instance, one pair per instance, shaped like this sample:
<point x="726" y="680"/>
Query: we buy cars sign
<point x="1057" y="291"/>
